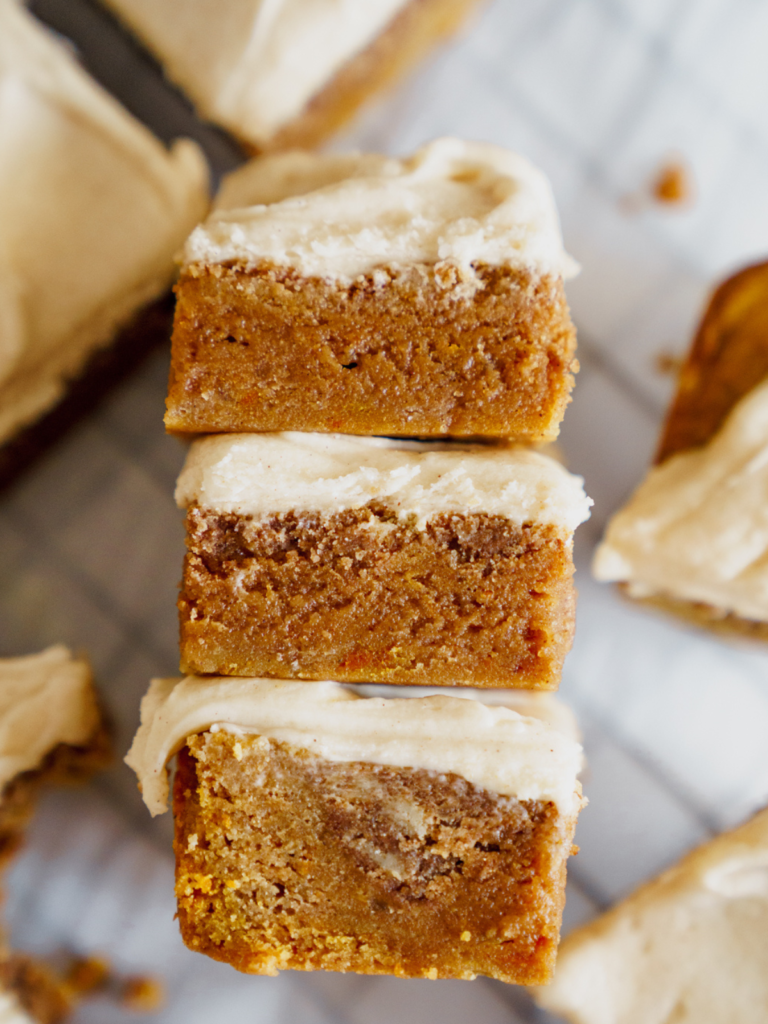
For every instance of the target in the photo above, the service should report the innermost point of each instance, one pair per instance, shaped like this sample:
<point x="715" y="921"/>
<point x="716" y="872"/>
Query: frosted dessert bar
<point x="287" y="73"/>
<point x="689" y="947"/>
<point x="364" y="559"/>
<point x="316" y="829"/>
<point x="50" y="731"/>
<point x="368" y="295"/>
<point x="92" y="210"/>
<point x="693" y="539"/>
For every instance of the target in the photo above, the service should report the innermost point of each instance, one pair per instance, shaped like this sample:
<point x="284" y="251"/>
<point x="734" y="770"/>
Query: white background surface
<point x="598" y="93"/>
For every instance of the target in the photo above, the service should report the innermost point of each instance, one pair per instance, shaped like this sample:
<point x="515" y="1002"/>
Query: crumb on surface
<point x="143" y="994"/>
<point x="673" y="184"/>
<point x="666" y="364"/>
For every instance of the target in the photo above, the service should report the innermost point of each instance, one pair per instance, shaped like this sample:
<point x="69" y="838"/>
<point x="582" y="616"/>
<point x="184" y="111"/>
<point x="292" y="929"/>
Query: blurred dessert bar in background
<point x="317" y="829"/>
<point x="369" y="295"/>
<point x="92" y="210"/>
<point x="323" y="556"/>
<point x="30" y="993"/>
<point x="693" y="539"/>
<point x="287" y="73"/>
<point x="690" y="947"/>
<point x="50" y="731"/>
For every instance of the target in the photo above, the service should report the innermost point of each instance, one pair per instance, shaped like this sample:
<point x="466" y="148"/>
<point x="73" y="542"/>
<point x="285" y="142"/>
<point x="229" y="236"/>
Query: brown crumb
<point x="87" y="976"/>
<point x="666" y="364"/>
<point x="673" y="184"/>
<point x="142" y="994"/>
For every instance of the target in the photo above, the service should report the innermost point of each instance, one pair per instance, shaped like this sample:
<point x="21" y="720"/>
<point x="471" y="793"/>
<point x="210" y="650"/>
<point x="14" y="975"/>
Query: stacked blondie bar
<point x="374" y="349"/>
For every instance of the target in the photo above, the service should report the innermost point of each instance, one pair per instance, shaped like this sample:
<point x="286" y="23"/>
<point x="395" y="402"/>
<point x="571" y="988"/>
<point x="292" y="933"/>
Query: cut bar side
<point x="408" y="352"/>
<point x="287" y="860"/>
<point x="728" y="357"/>
<point x="360" y="596"/>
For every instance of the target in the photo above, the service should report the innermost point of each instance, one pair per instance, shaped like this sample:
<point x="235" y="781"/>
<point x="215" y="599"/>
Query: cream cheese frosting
<point x="492" y="747"/>
<point x="691" y="947"/>
<point x="45" y="699"/>
<point x="253" y="65"/>
<point x="261" y="474"/>
<point x="697" y="528"/>
<point x="92" y="210"/>
<point x="540" y="704"/>
<point x="463" y="203"/>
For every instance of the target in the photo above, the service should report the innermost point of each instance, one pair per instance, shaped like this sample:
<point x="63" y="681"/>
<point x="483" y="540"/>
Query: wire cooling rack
<point x="598" y="93"/>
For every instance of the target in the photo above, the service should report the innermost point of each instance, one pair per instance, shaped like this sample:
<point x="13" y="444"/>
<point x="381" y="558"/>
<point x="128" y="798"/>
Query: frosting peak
<point x="339" y="217"/>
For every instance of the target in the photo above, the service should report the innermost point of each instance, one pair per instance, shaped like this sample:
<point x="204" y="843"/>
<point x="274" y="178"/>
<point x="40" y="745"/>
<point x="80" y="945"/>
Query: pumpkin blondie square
<point x="318" y="829"/>
<point x="316" y="556"/>
<point x="368" y="295"/>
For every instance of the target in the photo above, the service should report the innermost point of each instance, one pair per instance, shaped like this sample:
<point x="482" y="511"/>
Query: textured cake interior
<point x="268" y="350"/>
<point x="361" y="596"/>
<point x="286" y="860"/>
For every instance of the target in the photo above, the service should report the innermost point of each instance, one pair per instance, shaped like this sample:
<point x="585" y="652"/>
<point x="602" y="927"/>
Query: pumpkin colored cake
<point x="693" y="540"/>
<point x="364" y="559"/>
<point x="315" y="829"/>
<point x="367" y="295"/>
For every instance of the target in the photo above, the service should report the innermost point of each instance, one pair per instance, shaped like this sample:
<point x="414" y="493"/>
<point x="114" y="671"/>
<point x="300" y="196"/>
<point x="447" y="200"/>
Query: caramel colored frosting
<point x="697" y="528"/>
<point x="253" y="65"/>
<point x="453" y="202"/>
<point x="261" y="474"/>
<point x="690" y="947"/>
<point x="45" y="699"/>
<point x="493" y="747"/>
<point x="92" y="210"/>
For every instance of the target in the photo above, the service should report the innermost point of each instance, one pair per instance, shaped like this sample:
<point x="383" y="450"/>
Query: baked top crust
<point x="693" y="537"/>
<point x="728" y="358"/>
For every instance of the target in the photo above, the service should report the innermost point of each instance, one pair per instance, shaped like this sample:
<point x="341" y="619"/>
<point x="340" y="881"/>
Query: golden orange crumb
<point x="142" y="994"/>
<point x="87" y="975"/>
<point x="466" y="936"/>
<point x="667" y="364"/>
<point x="673" y="184"/>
